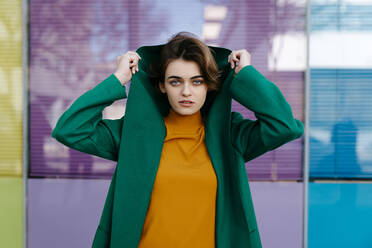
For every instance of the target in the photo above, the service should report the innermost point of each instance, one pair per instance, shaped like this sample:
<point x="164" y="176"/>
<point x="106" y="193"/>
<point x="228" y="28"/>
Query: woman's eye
<point x="174" y="82"/>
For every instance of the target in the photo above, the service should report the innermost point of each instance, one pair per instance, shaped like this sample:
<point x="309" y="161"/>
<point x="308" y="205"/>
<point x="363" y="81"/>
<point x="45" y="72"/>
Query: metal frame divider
<point x="25" y="121"/>
<point x="307" y="127"/>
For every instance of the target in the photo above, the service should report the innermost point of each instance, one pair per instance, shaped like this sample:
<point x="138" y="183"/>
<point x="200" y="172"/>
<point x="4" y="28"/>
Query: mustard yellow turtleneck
<point x="182" y="207"/>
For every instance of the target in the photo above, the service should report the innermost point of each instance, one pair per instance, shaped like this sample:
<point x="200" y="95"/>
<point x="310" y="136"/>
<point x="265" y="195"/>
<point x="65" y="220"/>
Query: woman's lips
<point x="186" y="103"/>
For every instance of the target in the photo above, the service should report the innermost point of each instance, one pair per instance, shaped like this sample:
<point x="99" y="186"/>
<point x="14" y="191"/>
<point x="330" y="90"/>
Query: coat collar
<point x="151" y="54"/>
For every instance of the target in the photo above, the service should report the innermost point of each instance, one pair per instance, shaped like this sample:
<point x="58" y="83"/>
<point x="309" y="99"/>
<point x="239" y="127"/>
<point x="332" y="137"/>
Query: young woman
<point x="180" y="180"/>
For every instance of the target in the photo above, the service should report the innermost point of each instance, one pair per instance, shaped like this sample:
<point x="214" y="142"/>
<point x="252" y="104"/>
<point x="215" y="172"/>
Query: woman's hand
<point x="242" y="57"/>
<point x="127" y="65"/>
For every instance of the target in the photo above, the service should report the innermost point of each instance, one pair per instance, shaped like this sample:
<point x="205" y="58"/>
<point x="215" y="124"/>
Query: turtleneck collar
<point x="178" y="122"/>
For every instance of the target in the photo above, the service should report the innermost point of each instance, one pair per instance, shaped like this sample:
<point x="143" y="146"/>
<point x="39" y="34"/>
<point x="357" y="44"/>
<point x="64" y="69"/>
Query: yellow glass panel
<point x="11" y="87"/>
<point x="11" y="212"/>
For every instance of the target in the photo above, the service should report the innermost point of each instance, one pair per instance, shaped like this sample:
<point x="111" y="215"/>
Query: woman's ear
<point x="162" y="88"/>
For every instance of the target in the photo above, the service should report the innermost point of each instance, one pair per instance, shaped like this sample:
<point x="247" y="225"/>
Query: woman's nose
<point x="186" y="91"/>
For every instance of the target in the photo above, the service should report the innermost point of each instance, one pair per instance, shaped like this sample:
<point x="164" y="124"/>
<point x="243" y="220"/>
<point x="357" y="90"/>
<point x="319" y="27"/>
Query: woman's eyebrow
<point x="177" y="77"/>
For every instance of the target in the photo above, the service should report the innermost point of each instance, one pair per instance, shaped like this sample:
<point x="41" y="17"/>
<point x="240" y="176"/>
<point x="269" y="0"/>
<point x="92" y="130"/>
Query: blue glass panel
<point x="340" y="215"/>
<point x="341" y="123"/>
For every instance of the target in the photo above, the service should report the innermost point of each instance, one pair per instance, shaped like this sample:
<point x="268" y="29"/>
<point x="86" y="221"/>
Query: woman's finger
<point x="234" y="56"/>
<point x="231" y="61"/>
<point x="133" y="60"/>
<point x="135" y="63"/>
<point x="135" y="54"/>
<point x="118" y="59"/>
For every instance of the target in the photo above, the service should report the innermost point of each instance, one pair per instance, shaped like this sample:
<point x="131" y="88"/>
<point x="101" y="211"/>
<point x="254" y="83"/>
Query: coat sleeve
<point x="275" y="124"/>
<point x="81" y="126"/>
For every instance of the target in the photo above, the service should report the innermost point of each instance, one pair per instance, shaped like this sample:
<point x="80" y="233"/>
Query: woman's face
<point x="184" y="82"/>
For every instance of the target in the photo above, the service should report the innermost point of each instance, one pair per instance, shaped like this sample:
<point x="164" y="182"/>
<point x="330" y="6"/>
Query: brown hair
<point x="187" y="46"/>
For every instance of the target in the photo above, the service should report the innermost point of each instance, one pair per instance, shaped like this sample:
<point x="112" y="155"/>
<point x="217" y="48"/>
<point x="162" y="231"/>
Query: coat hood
<point x="151" y="54"/>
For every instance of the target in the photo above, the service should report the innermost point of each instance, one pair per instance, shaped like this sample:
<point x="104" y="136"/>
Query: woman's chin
<point x="185" y="110"/>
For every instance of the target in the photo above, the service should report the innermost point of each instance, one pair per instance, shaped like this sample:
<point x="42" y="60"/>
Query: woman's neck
<point x="177" y="121"/>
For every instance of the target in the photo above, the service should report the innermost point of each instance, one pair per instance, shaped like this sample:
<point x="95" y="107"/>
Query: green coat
<point x="136" y="140"/>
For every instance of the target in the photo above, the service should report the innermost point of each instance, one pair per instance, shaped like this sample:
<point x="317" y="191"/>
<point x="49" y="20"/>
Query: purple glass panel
<point x="279" y="210"/>
<point x="65" y="212"/>
<point x="74" y="45"/>
<point x="253" y="25"/>
<point x="284" y="162"/>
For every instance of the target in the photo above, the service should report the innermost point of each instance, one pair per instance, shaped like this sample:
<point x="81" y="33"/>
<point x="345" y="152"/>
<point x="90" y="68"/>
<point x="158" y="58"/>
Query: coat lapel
<point x="142" y="142"/>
